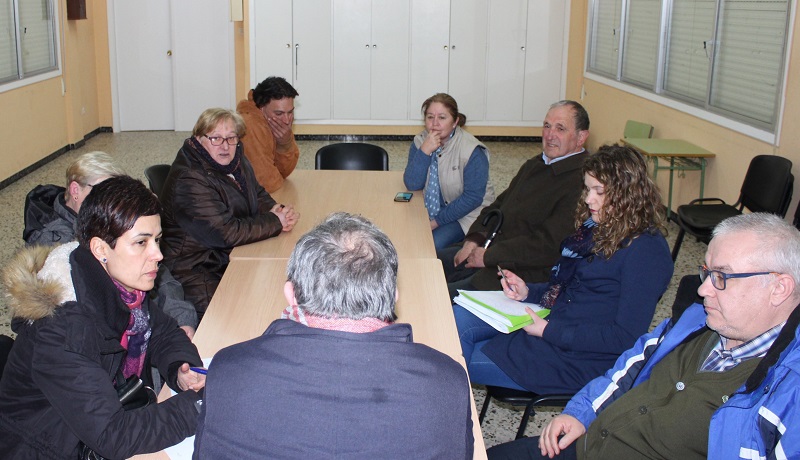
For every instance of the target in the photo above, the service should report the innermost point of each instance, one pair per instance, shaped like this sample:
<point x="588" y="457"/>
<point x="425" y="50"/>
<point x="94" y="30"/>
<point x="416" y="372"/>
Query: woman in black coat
<point x="212" y="203"/>
<point x="85" y="326"/>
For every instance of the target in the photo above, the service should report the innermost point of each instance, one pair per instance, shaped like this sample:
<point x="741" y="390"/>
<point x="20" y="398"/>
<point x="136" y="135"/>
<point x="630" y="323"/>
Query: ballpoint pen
<point x="199" y="370"/>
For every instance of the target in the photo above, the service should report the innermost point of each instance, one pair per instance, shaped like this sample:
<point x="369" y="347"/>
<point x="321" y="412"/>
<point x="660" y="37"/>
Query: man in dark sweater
<point x="538" y="210"/>
<point x="338" y="378"/>
<point x="722" y="382"/>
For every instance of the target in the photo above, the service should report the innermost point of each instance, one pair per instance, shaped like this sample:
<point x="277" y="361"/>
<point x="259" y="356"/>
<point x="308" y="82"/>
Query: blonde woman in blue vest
<point x="452" y="167"/>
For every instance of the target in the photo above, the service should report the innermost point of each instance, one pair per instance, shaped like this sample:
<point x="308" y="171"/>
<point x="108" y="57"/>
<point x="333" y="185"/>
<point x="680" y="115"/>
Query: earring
<point x="75" y="197"/>
<point x="105" y="260"/>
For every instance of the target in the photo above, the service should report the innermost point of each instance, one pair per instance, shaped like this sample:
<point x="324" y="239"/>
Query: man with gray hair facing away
<point x="336" y="377"/>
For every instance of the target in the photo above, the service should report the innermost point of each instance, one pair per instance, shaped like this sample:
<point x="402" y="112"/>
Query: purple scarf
<point x="137" y="335"/>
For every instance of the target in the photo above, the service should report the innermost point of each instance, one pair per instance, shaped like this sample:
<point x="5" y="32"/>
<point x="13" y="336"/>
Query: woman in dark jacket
<point x="85" y="325"/>
<point x="602" y="292"/>
<point x="212" y="203"/>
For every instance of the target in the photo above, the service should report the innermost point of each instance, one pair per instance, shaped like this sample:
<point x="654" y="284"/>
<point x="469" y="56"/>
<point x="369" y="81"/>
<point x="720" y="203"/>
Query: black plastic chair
<point x="767" y="187"/>
<point x="156" y="175"/>
<point x="528" y="399"/>
<point x="354" y="156"/>
<point x="796" y="220"/>
<point x="685" y="296"/>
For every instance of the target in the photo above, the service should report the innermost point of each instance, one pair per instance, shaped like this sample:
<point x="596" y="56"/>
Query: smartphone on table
<point x="403" y="197"/>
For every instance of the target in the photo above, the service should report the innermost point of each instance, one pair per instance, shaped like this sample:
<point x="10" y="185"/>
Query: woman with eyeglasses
<point x="212" y="203"/>
<point x="602" y="292"/>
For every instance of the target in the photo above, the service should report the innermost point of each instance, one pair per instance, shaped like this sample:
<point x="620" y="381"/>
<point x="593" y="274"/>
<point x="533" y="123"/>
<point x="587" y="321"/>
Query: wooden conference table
<point x="683" y="156"/>
<point x="315" y="194"/>
<point x="250" y="295"/>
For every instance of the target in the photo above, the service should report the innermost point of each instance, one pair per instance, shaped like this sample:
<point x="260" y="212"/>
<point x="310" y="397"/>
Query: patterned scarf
<point x="358" y="326"/>
<point x="232" y="170"/>
<point x="137" y="336"/>
<point x="574" y="248"/>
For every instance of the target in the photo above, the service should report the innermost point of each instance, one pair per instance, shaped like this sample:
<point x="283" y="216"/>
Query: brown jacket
<point x="271" y="162"/>
<point x="205" y="216"/>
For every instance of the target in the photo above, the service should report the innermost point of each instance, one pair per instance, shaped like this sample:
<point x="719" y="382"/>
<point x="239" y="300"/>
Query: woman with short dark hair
<point x="85" y="328"/>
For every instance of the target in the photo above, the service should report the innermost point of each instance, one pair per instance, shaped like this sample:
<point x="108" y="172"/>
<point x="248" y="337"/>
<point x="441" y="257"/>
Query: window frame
<point x="39" y="76"/>
<point x="658" y="94"/>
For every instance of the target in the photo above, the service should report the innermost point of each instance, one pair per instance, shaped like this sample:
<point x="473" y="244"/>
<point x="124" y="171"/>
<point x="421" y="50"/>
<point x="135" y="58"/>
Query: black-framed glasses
<point x="718" y="278"/>
<point x="218" y="140"/>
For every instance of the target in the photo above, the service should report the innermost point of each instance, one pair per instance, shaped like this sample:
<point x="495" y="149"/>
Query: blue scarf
<point x="574" y="248"/>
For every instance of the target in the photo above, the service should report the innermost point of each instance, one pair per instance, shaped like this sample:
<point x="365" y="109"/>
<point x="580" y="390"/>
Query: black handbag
<point x="132" y="394"/>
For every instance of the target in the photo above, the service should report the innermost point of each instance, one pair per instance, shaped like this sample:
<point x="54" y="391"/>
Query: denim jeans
<point x="447" y="234"/>
<point x="474" y="333"/>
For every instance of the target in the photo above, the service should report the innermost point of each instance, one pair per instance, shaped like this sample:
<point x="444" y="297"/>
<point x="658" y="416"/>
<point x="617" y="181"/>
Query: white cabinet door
<point x="389" y="65"/>
<point x="272" y="40"/>
<point x="171" y="60"/>
<point x="468" y="43"/>
<point x="351" y="59"/>
<point x="506" y="59"/>
<point x="292" y="39"/>
<point x="203" y="60"/>
<point x="370" y="59"/>
<point x="311" y="30"/>
<point x="430" y="45"/>
<point x="545" y="57"/>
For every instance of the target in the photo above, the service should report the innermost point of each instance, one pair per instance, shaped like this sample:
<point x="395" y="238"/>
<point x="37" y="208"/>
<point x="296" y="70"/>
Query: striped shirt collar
<point x="721" y="360"/>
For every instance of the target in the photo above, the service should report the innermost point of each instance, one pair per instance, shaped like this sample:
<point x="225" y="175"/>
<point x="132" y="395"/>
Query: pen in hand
<point x="500" y="270"/>
<point x="199" y="370"/>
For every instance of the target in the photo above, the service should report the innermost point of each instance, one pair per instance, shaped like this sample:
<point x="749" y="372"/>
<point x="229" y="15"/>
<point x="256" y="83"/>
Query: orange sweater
<point x="271" y="162"/>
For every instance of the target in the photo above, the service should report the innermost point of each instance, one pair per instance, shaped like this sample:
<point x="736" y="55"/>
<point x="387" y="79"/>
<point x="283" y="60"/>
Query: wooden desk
<point x="250" y="297"/>
<point x="683" y="156"/>
<point x="315" y="194"/>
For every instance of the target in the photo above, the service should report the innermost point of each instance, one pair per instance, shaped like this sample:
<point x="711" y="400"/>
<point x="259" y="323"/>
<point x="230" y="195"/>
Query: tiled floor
<point x="137" y="150"/>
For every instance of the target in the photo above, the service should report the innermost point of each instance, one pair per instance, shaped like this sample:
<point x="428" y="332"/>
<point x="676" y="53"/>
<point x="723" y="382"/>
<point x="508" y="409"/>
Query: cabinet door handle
<point x="366" y="46"/>
<point x="522" y="48"/>
<point x="296" y="60"/>
<point x="452" y="47"/>
<point x="374" y="46"/>
<point x="445" y="47"/>
<point x="288" y="45"/>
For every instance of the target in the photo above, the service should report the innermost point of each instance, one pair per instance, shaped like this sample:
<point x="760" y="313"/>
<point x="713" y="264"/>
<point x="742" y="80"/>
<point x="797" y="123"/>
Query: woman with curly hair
<point x="602" y="292"/>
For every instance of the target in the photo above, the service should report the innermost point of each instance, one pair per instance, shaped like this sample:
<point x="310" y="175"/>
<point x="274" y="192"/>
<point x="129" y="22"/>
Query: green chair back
<point x="638" y="130"/>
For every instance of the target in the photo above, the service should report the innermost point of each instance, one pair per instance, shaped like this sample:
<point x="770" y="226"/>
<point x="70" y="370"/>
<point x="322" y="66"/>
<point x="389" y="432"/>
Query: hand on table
<point x="287" y="215"/>
<point x="189" y="379"/>
<point x="565" y="425"/>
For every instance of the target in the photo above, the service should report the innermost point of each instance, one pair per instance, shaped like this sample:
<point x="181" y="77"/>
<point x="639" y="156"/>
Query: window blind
<point x="8" y="47"/>
<point x="724" y="56"/>
<point x="604" y="52"/>
<point x="748" y="66"/>
<point x="640" y="52"/>
<point x="689" y="48"/>
<point x="37" y="36"/>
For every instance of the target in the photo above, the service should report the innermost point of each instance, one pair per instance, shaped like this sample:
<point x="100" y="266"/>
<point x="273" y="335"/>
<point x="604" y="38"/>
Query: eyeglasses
<point x="718" y="278"/>
<point x="217" y="140"/>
